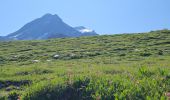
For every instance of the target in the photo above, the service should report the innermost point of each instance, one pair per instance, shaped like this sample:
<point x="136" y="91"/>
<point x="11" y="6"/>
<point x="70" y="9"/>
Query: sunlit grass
<point x="132" y="66"/>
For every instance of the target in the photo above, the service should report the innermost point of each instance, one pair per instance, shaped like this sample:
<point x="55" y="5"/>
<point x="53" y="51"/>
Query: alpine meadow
<point x="108" y="67"/>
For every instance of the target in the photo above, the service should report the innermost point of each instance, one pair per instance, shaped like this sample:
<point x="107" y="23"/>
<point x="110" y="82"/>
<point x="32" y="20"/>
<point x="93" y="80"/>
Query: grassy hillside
<point x="126" y="66"/>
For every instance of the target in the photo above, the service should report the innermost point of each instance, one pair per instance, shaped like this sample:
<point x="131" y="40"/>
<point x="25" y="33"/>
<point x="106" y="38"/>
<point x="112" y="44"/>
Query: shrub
<point x="145" y="54"/>
<point x="2" y="60"/>
<point x="144" y="72"/>
<point x="13" y="95"/>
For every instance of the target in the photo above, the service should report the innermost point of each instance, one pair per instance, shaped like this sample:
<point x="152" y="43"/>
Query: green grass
<point x="111" y="67"/>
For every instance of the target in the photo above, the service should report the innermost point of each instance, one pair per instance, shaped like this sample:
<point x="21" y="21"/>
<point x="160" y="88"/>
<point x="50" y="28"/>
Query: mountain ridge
<point x="46" y="27"/>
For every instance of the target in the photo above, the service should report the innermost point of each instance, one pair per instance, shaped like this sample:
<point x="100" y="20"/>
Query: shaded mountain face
<point x="48" y="26"/>
<point x="3" y="38"/>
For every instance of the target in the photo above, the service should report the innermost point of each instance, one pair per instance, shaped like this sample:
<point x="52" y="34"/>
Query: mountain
<point x="3" y="38"/>
<point x="85" y="31"/>
<point x="46" y="27"/>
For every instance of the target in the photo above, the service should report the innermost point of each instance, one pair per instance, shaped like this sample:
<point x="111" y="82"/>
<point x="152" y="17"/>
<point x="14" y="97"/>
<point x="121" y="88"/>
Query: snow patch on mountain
<point x="85" y="30"/>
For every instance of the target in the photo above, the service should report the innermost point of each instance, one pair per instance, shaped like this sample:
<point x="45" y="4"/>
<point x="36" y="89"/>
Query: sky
<point x="104" y="16"/>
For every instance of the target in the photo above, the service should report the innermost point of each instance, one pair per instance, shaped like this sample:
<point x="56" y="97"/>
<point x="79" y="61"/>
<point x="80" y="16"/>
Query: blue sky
<point x="105" y="16"/>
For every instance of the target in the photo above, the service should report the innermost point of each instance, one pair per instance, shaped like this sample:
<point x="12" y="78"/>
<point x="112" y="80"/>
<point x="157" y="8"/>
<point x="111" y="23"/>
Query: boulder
<point x="35" y="61"/>
<point x="48" y="60"/>
<point x="8" y="88"/>
<point x="56" y="56"/>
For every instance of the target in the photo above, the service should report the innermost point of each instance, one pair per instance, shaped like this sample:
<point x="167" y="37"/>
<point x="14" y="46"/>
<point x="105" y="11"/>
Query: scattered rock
<point x="15" y="56"/>
<point x="137" y="50"/>
<point x="48" y="60"/>
<point x="8" y="89"/>
<point x="56" y="56"/>
<point x="72" y="55"/>
<point x="18" y="88"/>
<point x="35" y="61"/>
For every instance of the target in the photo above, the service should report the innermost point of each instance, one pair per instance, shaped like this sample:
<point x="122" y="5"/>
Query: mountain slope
<point x="120" y="45"/>
<point x="48" y="26"/>
<point x="122" y="66"/>
<point x="3" y="38"/>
